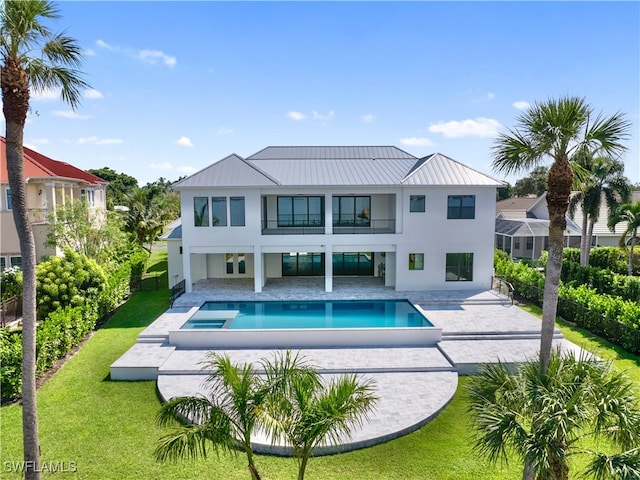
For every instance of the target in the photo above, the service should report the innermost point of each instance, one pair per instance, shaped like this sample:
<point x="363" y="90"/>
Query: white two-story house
<point x="419" y="223"/>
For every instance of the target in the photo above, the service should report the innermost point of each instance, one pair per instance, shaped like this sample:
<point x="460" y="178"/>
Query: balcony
<point x="306" y="226"/>
<point x="38" y="215"/>
<point x="379" y="226"/>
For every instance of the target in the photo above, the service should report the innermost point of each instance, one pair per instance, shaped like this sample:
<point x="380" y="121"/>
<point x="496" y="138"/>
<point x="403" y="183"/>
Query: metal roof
<point x="336" y="166"/>
<point x="230" y="171"/>
<point x="529" y="227"/>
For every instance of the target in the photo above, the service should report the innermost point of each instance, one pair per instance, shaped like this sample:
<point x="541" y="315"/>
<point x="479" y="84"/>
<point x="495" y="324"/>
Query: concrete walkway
<point x="413" y="384"/>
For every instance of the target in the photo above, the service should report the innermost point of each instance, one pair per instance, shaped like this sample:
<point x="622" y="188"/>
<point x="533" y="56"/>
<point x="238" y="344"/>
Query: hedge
<point x="602" y="280"/>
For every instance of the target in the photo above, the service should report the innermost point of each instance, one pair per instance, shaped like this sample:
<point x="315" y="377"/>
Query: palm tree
<point x="22" y="34"/>
<point x="543" y="419"/>
<point x="605" y="177"/>
<point x="630" y="213"/>
<point x="557" y="129"/>
<point x="226" y="419"/>
<point x="310" y="412"/>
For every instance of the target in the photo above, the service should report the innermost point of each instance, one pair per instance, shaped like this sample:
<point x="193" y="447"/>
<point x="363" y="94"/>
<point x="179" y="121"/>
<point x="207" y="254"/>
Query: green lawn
<point x="107" y="428"/>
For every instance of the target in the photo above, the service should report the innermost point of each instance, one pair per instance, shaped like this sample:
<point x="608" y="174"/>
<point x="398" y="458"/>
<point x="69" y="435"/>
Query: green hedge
<point x="602" y="280"/>
<point x="609" y="316"/>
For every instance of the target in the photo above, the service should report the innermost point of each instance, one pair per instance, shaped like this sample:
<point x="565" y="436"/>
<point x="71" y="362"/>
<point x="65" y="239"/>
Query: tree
<point x="504" y="192"/>
<point x="310" y="412"/>
<point x="557" y="129"/>
<point x="543" y="418"/>
<point x="533" y="184"/>
<point x="32" y="57"/>
<point x="144" y="218"/>
<point x="630" y="213"/>
<point x="604" y="177"/>
<point x="226" y="418"/>
<point x="120" y="185"/>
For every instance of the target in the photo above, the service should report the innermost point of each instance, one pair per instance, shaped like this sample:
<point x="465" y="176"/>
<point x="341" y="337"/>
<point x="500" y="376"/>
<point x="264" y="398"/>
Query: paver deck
<point x="413" y="384"/>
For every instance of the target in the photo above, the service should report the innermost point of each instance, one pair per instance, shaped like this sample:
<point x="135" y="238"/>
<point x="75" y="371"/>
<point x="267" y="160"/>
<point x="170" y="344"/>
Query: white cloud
<point x="368" y="117"/>
<point x="319" y="116"/>
<point x="187" y="169"/>
<point x="478" y="127"/>
<point x="153" y="56"/>
<point x="491" y="95"/>
<point x="103" y="44"/>
<point x="40" y="141"/>
<point x="416" y="142"/>
<point x="521" y="105"/>
<point x="46" y="95"/>
<point x="225" y="131"/>
<point x="92" y="94"/>
<point x="295" y="115"/>
<point x="88" y="52"/>
<point x="98" y="141"/>
<point x="161" y="166"/>
<point x="70" y="114"/>
<point x="185" y="142"/>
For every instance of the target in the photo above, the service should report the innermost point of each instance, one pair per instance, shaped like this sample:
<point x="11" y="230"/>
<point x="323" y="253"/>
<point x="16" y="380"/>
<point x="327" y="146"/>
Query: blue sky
<point x="177" y="86"/>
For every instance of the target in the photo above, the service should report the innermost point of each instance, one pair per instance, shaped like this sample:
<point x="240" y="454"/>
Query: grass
<point x="108" y="428"/>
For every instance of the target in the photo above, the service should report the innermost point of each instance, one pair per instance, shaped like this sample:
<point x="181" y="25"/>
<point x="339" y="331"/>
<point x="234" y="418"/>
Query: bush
<point x="71" y="280"/>
<point x="11" y="282"/>
<point x="10" y="363"/>
<point x="602" y="280"/>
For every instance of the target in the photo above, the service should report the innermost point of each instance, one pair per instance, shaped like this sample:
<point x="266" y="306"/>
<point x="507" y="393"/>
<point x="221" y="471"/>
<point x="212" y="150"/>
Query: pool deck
<point x="413" y="383"/>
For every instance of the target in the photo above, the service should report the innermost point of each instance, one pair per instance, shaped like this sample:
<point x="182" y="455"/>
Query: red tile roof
<point x="37" y="165"/>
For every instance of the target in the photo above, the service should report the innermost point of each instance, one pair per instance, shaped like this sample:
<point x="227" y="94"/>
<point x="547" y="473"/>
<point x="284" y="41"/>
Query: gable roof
<point x="230" y="171"/>
<point x="37" y="165"/>
<point x="514" y="204"/>
<point x="336" y="166"/>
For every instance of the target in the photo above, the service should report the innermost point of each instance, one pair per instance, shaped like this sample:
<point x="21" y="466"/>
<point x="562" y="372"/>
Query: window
<point x="3" y="264"/>
<point x="417" y="203"/>
<point x="302" y="263"/>
<point x="16" y="262"/>
<point x="219" y="211"/>
<point x="9" y="200"/>
<point x="201" y="211"/>
<point x="300" y="211"/>
<point x="234" y="259"/>
<point x="236" y="204"/>
<point x="230" y="263"/>
<point x="416" y="261"/>
<point x="461" y="206"/>
<point x="353" y="263"/>
<point x="529" y="243"/>
<point x="352" y="211"/>
<point x="516" y="243"/>
<point x="459" y="267"/>
<point x="89" y="196"/>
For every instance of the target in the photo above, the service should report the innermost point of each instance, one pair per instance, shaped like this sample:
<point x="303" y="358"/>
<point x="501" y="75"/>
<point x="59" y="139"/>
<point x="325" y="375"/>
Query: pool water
<point x="307" y="314"/>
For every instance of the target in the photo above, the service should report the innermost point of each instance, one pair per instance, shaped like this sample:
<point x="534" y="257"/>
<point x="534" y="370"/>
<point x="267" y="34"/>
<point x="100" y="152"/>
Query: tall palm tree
<point x="226" y="419"/>
<point x="32" y="57"/>
<point x="543" y="419"/>
<point x="310" y="413"/>
<point x="630" y="213"/>
<point x="604" y="178"/>
<point x="556" y="130"/>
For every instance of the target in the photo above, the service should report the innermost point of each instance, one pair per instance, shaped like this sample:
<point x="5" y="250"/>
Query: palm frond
<point x="621" y="466"/>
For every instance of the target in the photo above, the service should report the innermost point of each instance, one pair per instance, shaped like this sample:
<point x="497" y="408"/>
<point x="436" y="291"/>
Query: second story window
<point x="201" y="211"/>
<point x="8" y="201"/>
<point x="89" y="196"/>
<point x="219" y="211"/>
<point x="417" y="203"/>
<point x="236" y="204"/>
<point x="352" y="211"/>
<point x="461" y="206"/>
<point x="300" y="211"/>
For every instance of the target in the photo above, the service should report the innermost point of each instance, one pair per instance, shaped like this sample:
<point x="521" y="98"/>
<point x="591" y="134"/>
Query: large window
<point x="299" y="211"/>
<point x="88" y="196"/>
<point x="417" y="203"/>
<point x="352" y="211"/>
<point x="416" y="261"/>
<point x="461" y="206"/>
<point x="233" y="259"/>
<point x="3" y="263"/>
<point x="219" y="211"/>
<point x="201" y="211"/>
<point x="236" y="204"/>
<point x="353" y="263"/>
<point x="8" y="200"/>
<point x="296" y="264"/>
<point x="16" y="262"/>
<point x="459" y="267"/>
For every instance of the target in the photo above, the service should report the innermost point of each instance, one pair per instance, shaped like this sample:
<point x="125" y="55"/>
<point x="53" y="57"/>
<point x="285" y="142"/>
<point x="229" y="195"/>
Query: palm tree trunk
<point x="587" y="247"/>
<point x="302" y="466"/>
<point x="584" y="238"/>
<point x="631" y="247"/>
<point x="28" y="253"/>
<point x="529" y="471"/>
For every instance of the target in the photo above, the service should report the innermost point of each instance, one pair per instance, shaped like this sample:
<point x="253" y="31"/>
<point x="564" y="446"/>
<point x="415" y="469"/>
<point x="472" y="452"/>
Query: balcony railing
<point x="38" y="215"/>
<point x="273" y="227"/>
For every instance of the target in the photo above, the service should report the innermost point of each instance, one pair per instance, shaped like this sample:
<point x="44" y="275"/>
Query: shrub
<point x="71" y="280"/>
<point x="11" y="282"/>
<point x="10" y="363"/>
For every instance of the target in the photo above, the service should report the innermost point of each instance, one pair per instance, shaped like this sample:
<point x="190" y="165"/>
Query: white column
<point x="399" y="211"/>
<point x="328" y="268"/>
<point x="186" y="268"/>
<point x="257" y="268"/>
<point x="328" y="214"/>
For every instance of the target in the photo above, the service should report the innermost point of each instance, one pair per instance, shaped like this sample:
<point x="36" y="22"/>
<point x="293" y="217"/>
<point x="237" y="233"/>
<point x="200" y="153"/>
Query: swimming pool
<point x="304" y="324"/>
<point x="335" y="314"/>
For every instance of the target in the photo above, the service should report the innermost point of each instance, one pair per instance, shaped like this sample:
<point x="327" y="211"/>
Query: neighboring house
<point x="420" y="223"/>
<point x="49" y="184"/>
